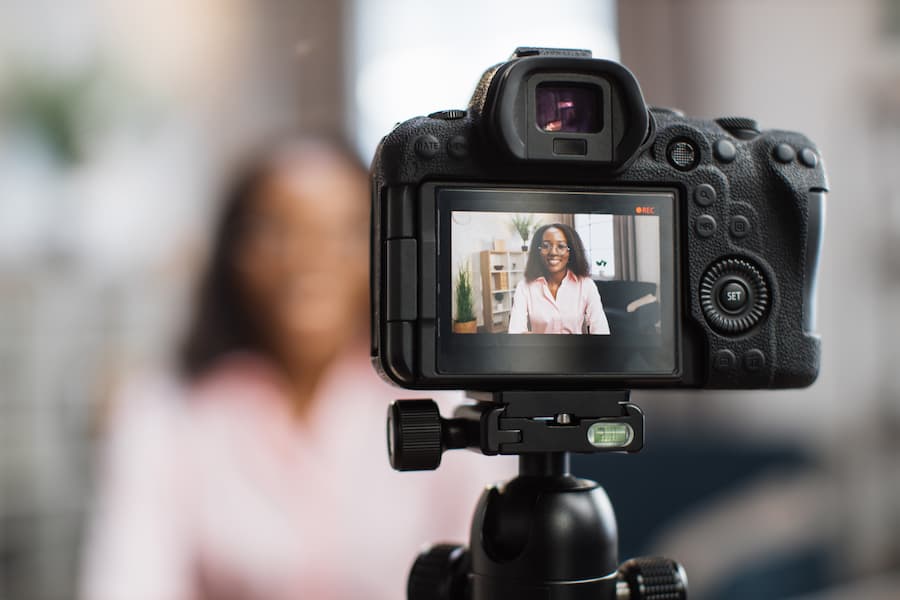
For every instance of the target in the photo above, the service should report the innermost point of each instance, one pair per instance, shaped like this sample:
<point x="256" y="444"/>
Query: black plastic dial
<point x="439" y="573"/>
<point x="734" y="295"/>
<point x="654" y="578"/>
<point x="414" y="435"/>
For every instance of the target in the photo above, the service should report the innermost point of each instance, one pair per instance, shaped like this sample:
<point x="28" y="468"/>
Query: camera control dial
<point x="740" y="127"/>
<point x="733" y="295"/>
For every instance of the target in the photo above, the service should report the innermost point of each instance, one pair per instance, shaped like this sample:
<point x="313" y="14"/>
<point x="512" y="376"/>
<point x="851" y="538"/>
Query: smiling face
<point x="554" y="252"/>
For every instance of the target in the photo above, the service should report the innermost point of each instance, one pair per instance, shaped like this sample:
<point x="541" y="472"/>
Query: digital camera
<point x="559" y="234"/>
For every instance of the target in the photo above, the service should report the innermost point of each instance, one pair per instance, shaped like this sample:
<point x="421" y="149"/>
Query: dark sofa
<point x="617" y="295"/>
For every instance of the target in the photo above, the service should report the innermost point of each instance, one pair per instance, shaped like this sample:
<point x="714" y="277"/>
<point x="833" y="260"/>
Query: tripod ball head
<point x="545" y="533"/>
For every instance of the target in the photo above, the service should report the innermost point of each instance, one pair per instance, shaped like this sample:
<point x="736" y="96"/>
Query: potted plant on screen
<point x="524" y="225"/>
<point x="465" y="302"/>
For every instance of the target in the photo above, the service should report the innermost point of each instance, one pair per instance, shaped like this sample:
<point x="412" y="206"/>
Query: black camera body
<point x="701" y="238"/>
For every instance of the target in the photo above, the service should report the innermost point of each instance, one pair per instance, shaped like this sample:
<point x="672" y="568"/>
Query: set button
<point x="733" y="296"/>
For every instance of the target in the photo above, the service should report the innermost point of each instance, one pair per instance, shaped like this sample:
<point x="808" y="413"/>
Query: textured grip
<point x="654" y="578"/>
<point x="414" y="435"/>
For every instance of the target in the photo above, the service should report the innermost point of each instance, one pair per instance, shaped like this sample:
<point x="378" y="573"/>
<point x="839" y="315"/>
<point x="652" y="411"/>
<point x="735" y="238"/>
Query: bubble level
<point x="610" y="435"/>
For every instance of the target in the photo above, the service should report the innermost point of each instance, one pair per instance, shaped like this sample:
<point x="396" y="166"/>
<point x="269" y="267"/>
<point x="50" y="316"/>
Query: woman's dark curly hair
<point x="578" y="262"/>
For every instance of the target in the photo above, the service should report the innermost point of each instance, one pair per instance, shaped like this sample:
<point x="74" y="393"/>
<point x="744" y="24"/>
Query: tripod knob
<point x="653" y="578"/>
<point x="414" y="435"/>
<point x="439" y="573"/>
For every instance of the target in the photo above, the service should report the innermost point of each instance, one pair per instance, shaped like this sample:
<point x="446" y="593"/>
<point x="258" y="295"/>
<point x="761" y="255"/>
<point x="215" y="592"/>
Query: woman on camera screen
<point x="558" y="294"/>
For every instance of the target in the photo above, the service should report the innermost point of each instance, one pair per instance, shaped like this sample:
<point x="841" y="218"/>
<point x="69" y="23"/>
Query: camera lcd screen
<point x="548" y="281"/>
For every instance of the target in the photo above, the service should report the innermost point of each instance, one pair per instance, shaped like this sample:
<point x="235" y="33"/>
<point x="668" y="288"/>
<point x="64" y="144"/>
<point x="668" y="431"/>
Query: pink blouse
<point x="577" y="305"/>
<point x="216" y="492"/>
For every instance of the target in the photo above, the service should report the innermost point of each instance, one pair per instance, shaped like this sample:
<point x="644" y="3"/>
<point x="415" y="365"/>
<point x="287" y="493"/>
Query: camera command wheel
<point x="545" y="534"/>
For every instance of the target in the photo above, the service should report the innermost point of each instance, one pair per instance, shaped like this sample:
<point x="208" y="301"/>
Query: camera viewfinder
<point x="568" y="108"/>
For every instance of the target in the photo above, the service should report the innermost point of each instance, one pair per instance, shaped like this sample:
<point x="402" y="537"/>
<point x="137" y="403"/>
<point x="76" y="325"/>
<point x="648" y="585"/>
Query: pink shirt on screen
<point x="576" y="309"/>
<point x="216" y="492"/>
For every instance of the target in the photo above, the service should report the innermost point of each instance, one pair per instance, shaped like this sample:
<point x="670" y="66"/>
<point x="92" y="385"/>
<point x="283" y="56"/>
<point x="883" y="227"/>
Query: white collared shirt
<point x="576" y="309"/>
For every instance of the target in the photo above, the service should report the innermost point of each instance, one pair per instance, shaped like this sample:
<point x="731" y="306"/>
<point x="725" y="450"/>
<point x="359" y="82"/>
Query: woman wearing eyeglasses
<point x="558" y="294"/>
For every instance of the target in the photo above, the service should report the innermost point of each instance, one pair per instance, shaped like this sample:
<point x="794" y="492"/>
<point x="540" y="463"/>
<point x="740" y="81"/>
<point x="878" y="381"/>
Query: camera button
<point x="725" y="151"/>
<point x="754" y="360"/>
<point x="739" y="226"/>
<point x="733" y="296"/>
<point x="704" y="194"/>
<point x="427" y="146"/>
<point x="783" y="153"/>
<point x="458" y="146"/>
<point x="808" y="157"/>
<point x="705" y="226"/>
<point x="724" y="360"/>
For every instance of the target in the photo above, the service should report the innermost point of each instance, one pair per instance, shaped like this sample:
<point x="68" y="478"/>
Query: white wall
<point x="825" y="68"/>
<point x="411" y="58"/>
<point x="646" y="236"/>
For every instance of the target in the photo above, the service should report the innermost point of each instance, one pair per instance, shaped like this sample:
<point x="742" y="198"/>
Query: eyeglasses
<point x="546" y="247"/>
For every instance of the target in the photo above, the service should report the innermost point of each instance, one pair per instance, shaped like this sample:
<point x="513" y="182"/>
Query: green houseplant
<point x="524" y="225"/>
<point x="465" y="302"/>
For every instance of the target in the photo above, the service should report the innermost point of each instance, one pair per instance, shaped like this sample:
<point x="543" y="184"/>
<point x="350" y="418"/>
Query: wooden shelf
<point x="499" y="281"/>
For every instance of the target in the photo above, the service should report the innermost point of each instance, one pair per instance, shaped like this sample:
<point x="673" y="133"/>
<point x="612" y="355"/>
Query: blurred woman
<point x="265" y="475"/>
<point x="557" y="294"/>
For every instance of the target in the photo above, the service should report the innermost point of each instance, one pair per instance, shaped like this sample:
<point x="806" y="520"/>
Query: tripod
<point x="545" y="534"/>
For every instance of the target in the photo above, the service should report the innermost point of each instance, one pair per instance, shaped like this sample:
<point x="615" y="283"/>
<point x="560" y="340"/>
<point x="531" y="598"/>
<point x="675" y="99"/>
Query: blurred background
<point x="119" y="120"/>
